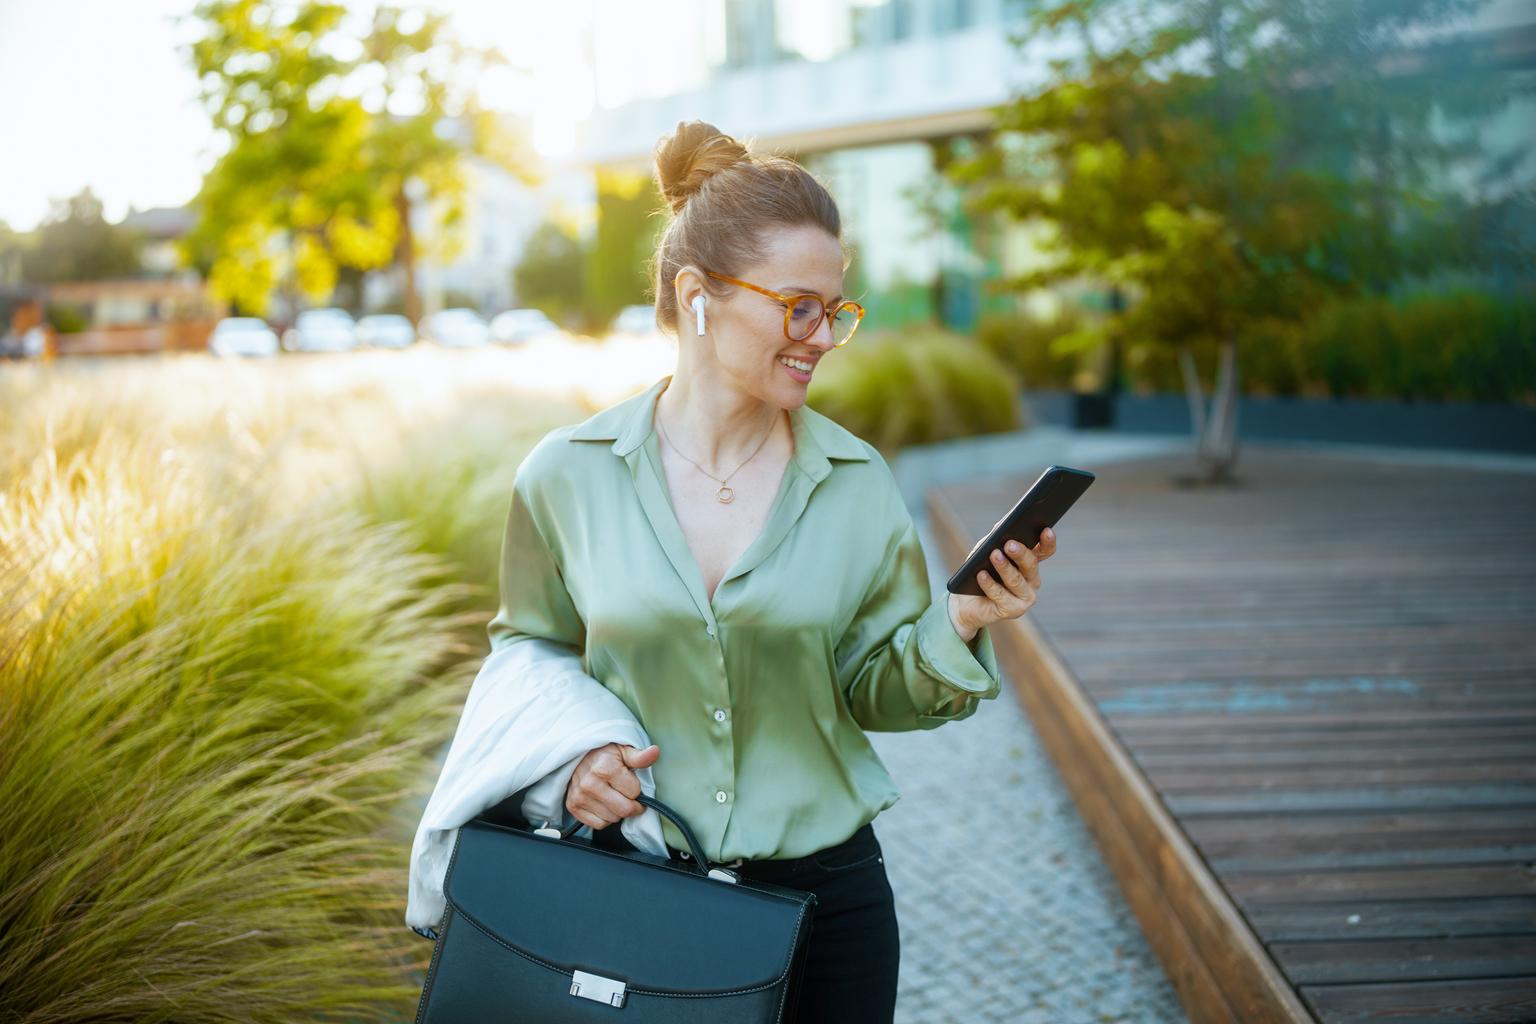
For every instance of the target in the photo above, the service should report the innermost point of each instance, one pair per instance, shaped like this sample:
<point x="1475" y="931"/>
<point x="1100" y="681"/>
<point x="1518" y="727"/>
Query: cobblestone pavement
<point x="1007" y="911"/>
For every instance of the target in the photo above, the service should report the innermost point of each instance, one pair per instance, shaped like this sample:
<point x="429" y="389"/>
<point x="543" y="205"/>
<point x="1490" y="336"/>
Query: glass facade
<point x="917" y="254"/>
<point x="769" y="31"/>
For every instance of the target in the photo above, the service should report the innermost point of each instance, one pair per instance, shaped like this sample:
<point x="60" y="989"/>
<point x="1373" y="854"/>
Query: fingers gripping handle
<point x="699" y="863"/>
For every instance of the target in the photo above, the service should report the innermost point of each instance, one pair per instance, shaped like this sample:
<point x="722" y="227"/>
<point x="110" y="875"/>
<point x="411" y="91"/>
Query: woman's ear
<point x="689" y="288"/>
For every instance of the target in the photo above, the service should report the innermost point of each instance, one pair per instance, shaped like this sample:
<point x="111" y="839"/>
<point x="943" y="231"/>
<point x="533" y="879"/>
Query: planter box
<point x="1468" y="425"/>
<point x="1070" y="409"/>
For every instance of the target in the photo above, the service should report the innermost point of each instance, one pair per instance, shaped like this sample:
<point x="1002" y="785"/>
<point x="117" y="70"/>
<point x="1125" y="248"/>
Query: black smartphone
<point x="1046" y="501"/>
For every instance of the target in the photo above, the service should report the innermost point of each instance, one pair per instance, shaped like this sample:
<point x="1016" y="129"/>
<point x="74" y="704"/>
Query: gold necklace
<point x="724" y="494"/>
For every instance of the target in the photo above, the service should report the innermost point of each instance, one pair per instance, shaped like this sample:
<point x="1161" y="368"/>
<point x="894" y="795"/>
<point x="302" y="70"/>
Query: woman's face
<point x="747" y="327"/>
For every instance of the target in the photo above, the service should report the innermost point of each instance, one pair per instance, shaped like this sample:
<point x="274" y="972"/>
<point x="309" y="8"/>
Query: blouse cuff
<point x="970" y="669"/>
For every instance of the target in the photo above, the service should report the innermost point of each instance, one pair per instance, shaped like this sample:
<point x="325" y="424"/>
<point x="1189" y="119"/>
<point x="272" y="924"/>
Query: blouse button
<point x="719" y="796"/>
<point x="710" y="630"/>
<point x="719" y="714"/>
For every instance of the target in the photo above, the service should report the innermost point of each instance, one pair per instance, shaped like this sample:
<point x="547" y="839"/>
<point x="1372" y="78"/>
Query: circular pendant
<point x="725" y="494"/>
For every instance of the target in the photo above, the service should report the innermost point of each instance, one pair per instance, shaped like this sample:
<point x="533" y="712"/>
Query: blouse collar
<point x="630" y="423"/>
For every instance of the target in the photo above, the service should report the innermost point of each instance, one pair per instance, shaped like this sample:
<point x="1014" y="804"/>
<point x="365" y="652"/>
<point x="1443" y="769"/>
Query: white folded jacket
<point x="532" y="714"/>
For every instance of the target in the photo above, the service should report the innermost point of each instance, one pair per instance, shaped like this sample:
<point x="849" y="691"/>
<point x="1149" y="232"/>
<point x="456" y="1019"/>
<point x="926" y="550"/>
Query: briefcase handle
<point x="700" y="865"/>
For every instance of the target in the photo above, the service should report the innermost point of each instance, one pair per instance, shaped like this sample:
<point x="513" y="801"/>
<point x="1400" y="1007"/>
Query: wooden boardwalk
<point x="1299" y="716"/>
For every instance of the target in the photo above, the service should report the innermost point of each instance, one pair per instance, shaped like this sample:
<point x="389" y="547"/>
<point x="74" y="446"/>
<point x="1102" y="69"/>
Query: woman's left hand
<point x="1009" y="588"/>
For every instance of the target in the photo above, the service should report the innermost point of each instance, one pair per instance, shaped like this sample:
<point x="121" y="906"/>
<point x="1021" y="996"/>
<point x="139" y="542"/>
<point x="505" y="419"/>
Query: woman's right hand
<point x="604" y="786"/>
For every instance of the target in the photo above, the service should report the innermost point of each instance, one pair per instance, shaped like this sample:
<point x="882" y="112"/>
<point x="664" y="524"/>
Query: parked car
<point x="242" y="336"/>
<point x="517" y="325"/>
<point x="321" y="330"/>
<point x="26" y="345"/>
<point x="385" y="330"/>
<point x="636" y="320"/>
<point x="456" y="328"/>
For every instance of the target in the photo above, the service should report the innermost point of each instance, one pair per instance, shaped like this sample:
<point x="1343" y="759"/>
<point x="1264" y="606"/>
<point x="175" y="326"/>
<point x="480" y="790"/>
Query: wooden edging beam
<point x="1216" y="963"/>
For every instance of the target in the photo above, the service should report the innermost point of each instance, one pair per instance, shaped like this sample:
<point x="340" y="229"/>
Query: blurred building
<point x="871" y="97"/>
<point x="133" y="315"/>
<point x="159" y="228"/>
<point x="874" y="96"/>
<point x="473" y="263"/>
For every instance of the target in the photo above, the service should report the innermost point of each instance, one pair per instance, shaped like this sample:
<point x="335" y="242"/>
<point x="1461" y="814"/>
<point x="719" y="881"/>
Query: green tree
<point x="12" y="245"/>
<point x="628" y="223"/>
<point x="323" y="169"/>
<point x="269" y="213"/>
<point x="1202" y="161"/>
<point x="411" y="158"/>
<point x="75" y="242"/>
<point x="552" y="273"/>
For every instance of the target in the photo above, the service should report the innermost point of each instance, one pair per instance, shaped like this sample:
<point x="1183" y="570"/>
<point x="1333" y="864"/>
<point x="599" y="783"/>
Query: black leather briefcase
<point x="543" y="927"/>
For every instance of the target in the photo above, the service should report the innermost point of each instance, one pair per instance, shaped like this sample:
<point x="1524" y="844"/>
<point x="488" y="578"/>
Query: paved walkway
<point x="1007" y="911"/>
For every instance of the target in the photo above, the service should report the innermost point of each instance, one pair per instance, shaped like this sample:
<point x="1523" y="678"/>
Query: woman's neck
<point x="719" y="428"/>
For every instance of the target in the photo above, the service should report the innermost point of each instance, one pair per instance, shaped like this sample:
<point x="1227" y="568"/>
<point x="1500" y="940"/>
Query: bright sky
<point x="95" y="92"/>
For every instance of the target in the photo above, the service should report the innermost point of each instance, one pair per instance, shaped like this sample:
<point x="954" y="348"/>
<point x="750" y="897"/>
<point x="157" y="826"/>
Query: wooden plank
<point x="1353" y="962"/>
<point x="1391" y="919"/>
<point x="1264" y="699"/>
<point x="1509" y="683"/>
<point x="1323" y="721"/>
<point x="1299" y="827"/>
<point x="1350" y="801"/>
<point x="1130" y="706"/>
<point x="1303" y="738"/>
<point x="1269" y="776"/>
<point x="1469" y="675"/>
<point x="1425" y="848"/>
<point x="1214" y="660"/>
<point x="1474" y="1001"/>
<point x="1232" y="664"/>
<point x="1331" y="754"/>
<point x="1449" y="882"/>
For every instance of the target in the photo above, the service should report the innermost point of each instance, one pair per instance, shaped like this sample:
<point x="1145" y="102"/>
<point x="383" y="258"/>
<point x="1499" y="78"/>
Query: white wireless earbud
<point x="698" y="312"/>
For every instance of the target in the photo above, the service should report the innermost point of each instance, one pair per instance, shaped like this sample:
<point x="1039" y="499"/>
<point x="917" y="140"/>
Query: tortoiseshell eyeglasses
<point x="804" y="313"/>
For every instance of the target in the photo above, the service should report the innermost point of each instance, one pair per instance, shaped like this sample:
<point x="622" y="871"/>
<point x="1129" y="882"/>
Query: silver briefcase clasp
<point x="597" y="988"/>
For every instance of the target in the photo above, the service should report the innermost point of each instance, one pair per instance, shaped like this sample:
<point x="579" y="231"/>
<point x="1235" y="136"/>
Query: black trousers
<point x="854" y="952"/>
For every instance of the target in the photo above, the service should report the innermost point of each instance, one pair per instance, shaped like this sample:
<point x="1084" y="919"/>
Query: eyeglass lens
<point x="803" y="319"/>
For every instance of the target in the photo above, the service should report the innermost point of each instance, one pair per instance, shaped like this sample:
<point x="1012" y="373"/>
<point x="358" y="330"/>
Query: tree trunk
<point x="1218" y="453"/>
<point x="1215" y="434"/>
<point x="1194" y="393"/>
<point x="405" y="255"/>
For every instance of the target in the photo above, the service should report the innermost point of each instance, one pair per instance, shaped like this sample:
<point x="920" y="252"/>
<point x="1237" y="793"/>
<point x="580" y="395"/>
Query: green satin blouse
<point x="823" y="629"/>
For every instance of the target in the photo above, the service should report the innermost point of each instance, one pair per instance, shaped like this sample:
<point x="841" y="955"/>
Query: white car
<point x="242" y="336"/>
<point x="636" y="320"/>
<point x="456" y="328"/>
<point x="27" y="345"/>
<point x="517" y="325"/>
<point x="385" y="330"/>
<point x="321" y="330"/>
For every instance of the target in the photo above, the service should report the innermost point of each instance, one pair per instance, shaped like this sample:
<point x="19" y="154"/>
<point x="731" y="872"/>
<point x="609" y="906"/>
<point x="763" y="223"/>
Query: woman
<point x="742" y="572"/>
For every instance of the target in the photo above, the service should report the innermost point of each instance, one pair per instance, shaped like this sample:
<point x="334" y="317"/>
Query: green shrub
<point x="1463" y="344"/>
<point x="1024" y="342"/>
<point x="917" y="385"/>
<point x="66" y="317"/>
<point x="448" y="484"/>
<point x="1270" y="359"/>
<point x="239" y="609"/>
<point x="212" y="710"/>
